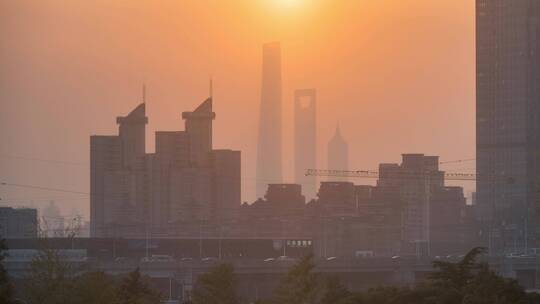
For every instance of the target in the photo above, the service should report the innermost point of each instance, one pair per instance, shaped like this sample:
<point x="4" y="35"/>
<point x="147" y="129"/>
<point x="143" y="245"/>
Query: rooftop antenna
<point x="144" y="92"/>
<point x="211" y="87"/>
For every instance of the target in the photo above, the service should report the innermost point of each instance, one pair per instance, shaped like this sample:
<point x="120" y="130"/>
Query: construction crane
<point x="375" y="174"/>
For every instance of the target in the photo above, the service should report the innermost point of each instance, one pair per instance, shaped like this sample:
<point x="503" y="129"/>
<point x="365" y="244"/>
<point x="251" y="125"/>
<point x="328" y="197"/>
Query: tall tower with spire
<point x="338" y="153"/>
<point x="269" y="159"/>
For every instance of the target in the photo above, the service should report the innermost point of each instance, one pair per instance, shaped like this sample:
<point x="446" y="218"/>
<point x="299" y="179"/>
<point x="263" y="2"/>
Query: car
<point x="158" y="258"/>
<point x="209" y="259"/>
<point x="396" y="257"/>
<point x="285" y="258"/>
<point x="269" y="260"/>
<point x="187" y="259"/>
<point x="331" y="258"/>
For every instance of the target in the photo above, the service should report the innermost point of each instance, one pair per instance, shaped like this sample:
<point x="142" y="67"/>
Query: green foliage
<point x="469" y="281"/>
<point x="335" y="292"/>
<point x="301" y="285"/>
<point x="6" y="289"/>
<point x="135" y="289"/>
<point x="94" y="288"/>
<point x="53" y="280"/>
<point x="218" y="286"/>
<point x="50" y="279"/>
<point x="465" y="282"/>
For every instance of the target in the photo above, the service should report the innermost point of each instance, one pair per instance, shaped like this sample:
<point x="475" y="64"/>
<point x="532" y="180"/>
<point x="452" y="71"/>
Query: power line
<point x="43" y="188"/>
<point x="457" y="161"/>
<point x="54" y="161"/>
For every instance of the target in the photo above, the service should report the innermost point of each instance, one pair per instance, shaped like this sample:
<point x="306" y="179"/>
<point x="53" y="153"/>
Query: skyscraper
<point x="269" y="142"/>
<point x="507" y="120"/>
<point x="113" y="164"/>
<point x="338" y="154"/>
<point x="305" y="139"/>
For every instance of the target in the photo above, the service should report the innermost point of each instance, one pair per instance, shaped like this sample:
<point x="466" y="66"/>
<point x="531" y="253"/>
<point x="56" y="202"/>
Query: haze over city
<point x="398" y="76"/>
<point x="270" y="151"/>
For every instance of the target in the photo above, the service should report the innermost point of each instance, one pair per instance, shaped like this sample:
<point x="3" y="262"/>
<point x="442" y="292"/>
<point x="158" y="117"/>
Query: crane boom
<point x="375" y="174"/>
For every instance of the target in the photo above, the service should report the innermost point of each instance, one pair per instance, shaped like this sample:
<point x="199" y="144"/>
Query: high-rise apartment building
<point x="414" y="182"/>
<point x="269" y="150"/>
<point x="507" y="121"/>
<point x="185" y="181"/>
<point x="305" y="139"/>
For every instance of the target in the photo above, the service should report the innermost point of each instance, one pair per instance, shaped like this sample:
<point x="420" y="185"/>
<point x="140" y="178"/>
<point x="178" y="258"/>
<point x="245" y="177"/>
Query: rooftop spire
<point x="144" y="92"/>
<point x="211" y="87"/>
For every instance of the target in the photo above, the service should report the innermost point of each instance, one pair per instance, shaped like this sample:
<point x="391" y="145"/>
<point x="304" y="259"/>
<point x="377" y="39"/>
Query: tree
<point x="335" y="292"/>
<point x="135" y="289"/>
<point x="50" y="279"/>
<point x="218" y="286"/>
<point x="301" y="285"/>
<point x="487" y="287"/>
<point x="6" y="289"/>
<point x="471" y="282"/>
<point x="94" y="288"/>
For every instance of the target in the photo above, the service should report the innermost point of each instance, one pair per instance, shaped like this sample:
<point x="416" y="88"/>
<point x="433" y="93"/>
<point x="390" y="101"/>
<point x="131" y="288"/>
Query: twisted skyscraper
<point x="269" y="146"/>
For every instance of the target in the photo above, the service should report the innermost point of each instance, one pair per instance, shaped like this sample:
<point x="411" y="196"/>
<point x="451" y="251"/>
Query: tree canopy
<point x="6" y="289"/>
<point x="218" y="286"/>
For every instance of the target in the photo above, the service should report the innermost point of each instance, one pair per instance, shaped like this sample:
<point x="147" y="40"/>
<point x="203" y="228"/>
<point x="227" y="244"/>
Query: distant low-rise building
<point x="17" y="223"/>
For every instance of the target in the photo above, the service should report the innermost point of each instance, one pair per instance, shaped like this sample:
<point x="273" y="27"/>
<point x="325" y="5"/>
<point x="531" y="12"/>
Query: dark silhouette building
<point x="167" y="193"/>
<point x="305" y="139"/>
<point x="507" y="124"/>
<point x="414" y="181"/>
<point x="269" y="150"/>
<point x="18" y="223"/>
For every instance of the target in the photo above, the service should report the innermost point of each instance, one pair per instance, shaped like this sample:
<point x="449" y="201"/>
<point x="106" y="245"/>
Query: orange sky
<point x="397" y="74"/>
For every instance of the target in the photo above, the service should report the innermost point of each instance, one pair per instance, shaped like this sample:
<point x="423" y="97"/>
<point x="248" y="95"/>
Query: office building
<point x="507" y="124"/>
<point x="413" y="181"/>
<point x="18" y="223"/>
<point x="269" y="150"/>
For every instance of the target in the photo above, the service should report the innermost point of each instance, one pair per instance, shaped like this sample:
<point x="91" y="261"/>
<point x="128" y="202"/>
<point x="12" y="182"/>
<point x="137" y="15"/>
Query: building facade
<point x="414" y="181"/>
<point x="18" y="223"/>
<point x="507" y="124"/>
<point x="182" y="184"/>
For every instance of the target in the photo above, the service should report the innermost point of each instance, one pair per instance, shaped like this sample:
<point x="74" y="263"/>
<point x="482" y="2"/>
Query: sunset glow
<point x="287" y="4"/>
<point x="376" y="66"/>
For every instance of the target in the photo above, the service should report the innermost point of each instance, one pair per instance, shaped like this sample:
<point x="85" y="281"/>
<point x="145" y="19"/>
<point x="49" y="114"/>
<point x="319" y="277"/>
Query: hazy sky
<point x="397" y="74"/>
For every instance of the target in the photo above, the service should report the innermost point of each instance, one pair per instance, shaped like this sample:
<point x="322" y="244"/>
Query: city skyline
<point x="269" y="151"/>
<point x="356" y="84"/>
